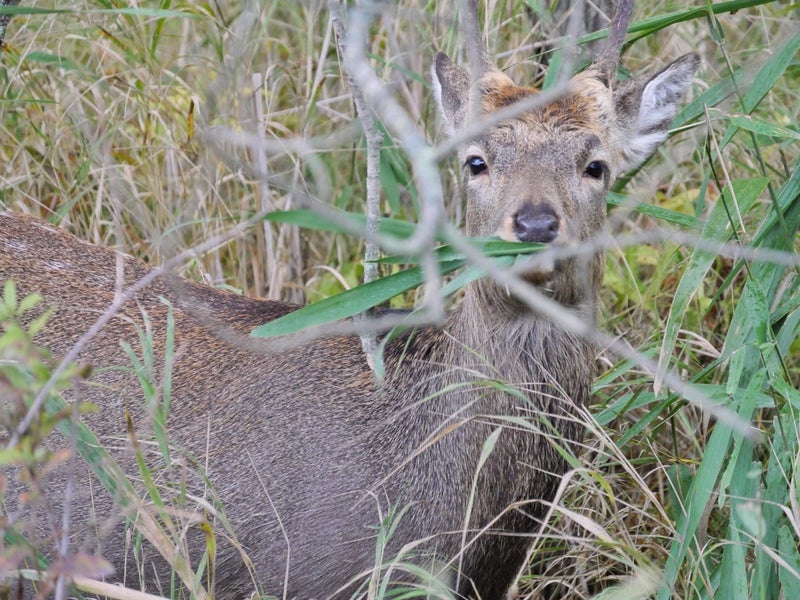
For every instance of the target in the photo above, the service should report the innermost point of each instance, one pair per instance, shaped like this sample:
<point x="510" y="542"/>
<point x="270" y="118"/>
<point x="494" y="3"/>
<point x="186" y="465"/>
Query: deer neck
<point x="484" y="343"/>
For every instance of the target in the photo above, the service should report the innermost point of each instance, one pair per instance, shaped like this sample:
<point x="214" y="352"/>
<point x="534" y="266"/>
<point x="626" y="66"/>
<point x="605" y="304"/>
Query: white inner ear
<point x="437" y="88"/>
<point x="659" y="102"/>
<point x="643" y="145"/>
<point x="660" y="98"/>
<point x="445" y="112"/>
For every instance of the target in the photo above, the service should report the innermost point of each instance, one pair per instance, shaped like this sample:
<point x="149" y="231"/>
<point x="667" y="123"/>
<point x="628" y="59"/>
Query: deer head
<point x="543" y="176"/>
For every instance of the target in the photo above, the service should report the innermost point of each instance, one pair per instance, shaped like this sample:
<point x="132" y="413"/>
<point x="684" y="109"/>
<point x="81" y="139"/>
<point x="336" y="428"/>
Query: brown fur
<point x="575" y="112"/>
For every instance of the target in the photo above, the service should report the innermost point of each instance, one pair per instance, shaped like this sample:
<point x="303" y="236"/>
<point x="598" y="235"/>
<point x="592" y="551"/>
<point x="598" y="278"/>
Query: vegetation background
<point x="122" y="122"/>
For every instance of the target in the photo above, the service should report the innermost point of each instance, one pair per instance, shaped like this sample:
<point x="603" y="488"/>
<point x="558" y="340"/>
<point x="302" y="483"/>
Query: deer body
<point x="306" y="453"/>
<point x="329" y="460"/>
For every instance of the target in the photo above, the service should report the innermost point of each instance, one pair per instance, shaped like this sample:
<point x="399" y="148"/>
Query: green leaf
<point x="789" y="574"/>
<point x="657" y="212"/>
<point x="774" y="496"/>
<point x="779" y="228"/>
<point x="390" y="186"/>
<point x="349" y="303"/>
<point x="29" y="10"/>
<point x="28" y="302"/>
<point x="487" y="246"/>
<point x="763" y="128"/>
<point x="745" y="515"/>
<point x="747" y="400"/>
<point x="366" y="296"/>
<point x="772" y="70"/>
<point x="52" y="59"/>
<point x="693" y="504"/>
<point x="553" y="69"/>
<point x="648" y="26"/>
<point x="158" y="13"/>
<point x="472" y="273"/>
<point x="10" y="297"/>
<point x="750" y="517"/>
<point x="339" y="221"/>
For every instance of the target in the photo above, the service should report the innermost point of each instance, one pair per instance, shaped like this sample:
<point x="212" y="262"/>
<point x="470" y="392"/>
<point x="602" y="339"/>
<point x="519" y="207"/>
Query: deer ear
<point x="645" y="109"/>
<point x="451" y="89"/>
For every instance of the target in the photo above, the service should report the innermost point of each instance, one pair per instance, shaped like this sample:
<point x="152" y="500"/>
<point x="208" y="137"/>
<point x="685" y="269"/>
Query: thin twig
<point x="413" y="141"/>
<point x="374" y="138"/>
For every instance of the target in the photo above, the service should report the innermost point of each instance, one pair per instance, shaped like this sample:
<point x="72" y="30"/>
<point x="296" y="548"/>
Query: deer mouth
<point x="537" y="269"/>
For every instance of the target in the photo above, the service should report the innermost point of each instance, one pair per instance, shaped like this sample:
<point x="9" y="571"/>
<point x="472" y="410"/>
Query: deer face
<point x="543" y="176"/>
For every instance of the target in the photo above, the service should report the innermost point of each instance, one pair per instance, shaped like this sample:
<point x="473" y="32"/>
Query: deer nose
<point x="536" y="224"/>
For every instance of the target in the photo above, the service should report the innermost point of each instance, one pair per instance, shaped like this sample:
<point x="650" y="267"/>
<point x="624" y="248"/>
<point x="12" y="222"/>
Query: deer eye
<point x="595" y="169"/>
<point x="476" y="165"/>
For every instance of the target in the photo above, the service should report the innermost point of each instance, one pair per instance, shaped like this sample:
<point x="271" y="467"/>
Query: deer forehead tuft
<point x="503" y="94"/>
<point x="573" y="113"/>
<point x="587" y="106"/>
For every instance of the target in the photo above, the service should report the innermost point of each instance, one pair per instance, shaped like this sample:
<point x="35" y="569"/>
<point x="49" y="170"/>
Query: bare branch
<point x="374" y="137"/>
<point x="421" y="155"/>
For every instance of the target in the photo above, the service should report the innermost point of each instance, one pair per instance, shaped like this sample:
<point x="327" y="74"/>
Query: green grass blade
<point x="157" y="13"/>
<point x="739" y="489"/>
<point x="369" y="295"/>
<point x="717" y="228"/>
<point x="340" y="222"/>
<point x="657" y="212"/>
<point x="712" y="96"/>
<point x="769" y="74"/>
<point x="789" y="576"/>
<point x="755" y="352"/>
<point x="349" y="303"/>
<point x="472" y="273"/>
<point x="492" y="247"/>
<point x="762" y="127"/>
<point x="693" y="505"/>
<point x="779" y="228"/>
<point x="765" y="576"/>
<point x="646" y="27"/>
<point x="733" y="582"/>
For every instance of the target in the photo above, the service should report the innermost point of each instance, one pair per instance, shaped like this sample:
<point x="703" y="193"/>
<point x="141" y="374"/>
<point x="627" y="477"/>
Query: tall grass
<point x="116" y="122"/>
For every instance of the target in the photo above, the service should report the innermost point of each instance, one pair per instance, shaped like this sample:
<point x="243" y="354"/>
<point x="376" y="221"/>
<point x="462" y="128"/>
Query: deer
<point x="296" y="459"/>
